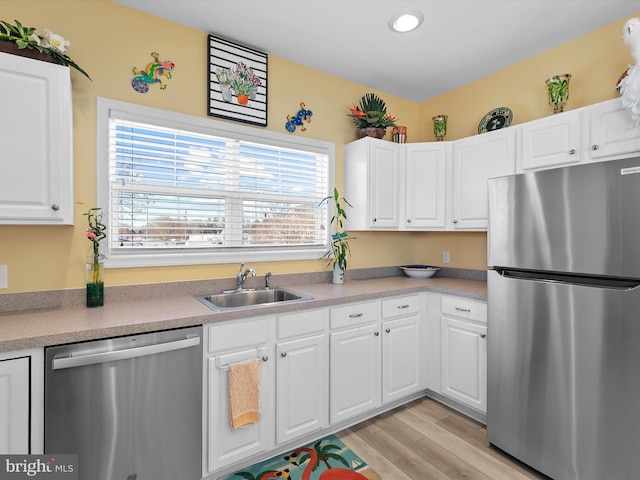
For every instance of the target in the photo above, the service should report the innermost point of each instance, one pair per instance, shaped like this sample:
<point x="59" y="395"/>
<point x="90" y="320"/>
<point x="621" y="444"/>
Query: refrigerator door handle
<point x="614" y="283"/>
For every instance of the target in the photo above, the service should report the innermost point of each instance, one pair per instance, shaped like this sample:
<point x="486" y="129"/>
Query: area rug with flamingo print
<point x="325" y="459"/>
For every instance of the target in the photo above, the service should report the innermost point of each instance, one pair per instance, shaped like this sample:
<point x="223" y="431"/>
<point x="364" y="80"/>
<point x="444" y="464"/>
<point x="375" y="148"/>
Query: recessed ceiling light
<point x="406" y="21"/>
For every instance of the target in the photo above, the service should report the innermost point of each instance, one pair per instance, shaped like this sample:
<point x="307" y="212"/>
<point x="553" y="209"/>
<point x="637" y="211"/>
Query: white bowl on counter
<point x="419" y="271"/>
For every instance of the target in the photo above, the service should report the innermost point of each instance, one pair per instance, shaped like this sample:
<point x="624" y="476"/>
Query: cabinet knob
<point x="408" y="220"/>
<point x="375" y="219"/>
<point x="265" y="358"/>
<point x="483" y="335"/>
<point x="455" y="221"/>
<point x="377" y="333"/>
<point x="388" y="330"/>
<point x="572" y="151"/>
<point x="55" y="207"/>
<point x="283" y="354"/>
<point x="594" y="147"/>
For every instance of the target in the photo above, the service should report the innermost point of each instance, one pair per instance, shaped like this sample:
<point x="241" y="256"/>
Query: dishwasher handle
<point x="101" y="357"/>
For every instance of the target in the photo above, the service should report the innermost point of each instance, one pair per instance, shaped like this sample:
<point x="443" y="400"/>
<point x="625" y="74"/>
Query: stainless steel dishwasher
<point x="129" y="407"/>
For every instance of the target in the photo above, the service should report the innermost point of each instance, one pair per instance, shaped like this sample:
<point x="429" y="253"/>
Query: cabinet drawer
<point x="393" y="307"/>
<point x="464" y="308"/>
<point x="354" y="314"/>
<point x="237" y="334"/>
<point x="302" y="323"/>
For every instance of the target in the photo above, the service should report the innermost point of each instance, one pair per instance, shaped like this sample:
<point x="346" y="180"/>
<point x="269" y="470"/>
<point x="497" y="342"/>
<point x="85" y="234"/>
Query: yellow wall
<point x="595" y="62"/>
<point x="108" y="39"/>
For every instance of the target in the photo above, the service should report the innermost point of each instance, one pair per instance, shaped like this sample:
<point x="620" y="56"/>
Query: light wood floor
<point x="425" y="440"/>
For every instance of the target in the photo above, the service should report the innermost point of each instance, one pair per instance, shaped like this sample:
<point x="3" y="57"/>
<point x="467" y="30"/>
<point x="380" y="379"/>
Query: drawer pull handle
<point x="283" y="354"/>
<point x="463" y="309"/>
<point x="400" y="307"/>
<point x="356" y="315"/>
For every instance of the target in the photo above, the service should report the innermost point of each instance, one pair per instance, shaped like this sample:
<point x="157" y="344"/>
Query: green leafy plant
<point x="340" y="249"/>
<point x="243" y="79"/>
<point x="371" y="112"/>
<point x="96" y="229"/>
<point x="47" y="42"/>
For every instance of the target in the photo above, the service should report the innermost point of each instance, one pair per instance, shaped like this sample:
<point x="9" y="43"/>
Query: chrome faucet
<point x="242" y="277"/>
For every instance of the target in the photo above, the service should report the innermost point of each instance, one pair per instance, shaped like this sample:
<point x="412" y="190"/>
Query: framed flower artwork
<point x="237" y="82"/>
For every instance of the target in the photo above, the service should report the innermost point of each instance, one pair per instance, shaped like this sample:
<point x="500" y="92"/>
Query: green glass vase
<point x="95" y="280"/>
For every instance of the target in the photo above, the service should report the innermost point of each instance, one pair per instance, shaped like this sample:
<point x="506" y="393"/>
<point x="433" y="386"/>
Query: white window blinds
<point x="186" y="190"/>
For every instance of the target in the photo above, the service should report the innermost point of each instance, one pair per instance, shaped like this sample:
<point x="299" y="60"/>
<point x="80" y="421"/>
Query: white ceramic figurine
<point x="630" y="85"/>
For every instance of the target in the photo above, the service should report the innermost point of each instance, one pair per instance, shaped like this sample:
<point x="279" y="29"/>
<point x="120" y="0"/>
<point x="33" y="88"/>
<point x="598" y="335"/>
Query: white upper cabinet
<point x="36" y="172"/>
<point x="550" y="142"/>
<point x="443" y="185"/>
<point x="372" y="184"/>
<point x="425" y="185"/>
<point x="395" y="186"/>
<point x="475" y="160"/>
<point x="612" y="131"/>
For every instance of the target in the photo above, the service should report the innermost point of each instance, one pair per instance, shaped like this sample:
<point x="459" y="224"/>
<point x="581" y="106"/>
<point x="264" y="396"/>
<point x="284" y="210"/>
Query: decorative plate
<point x="496" y="119"/>
<point x="419" y="271"/>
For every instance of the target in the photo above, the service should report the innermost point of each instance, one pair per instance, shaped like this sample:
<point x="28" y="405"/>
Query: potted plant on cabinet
<point x="25" y="41"/>
<point x="370" y="117"/>
<point x="340" y="249"/>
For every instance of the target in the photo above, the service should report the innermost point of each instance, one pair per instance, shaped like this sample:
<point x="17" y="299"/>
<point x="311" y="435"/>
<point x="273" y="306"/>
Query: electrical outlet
<point x="446" y="257"/>
<point x="3" y="277"/>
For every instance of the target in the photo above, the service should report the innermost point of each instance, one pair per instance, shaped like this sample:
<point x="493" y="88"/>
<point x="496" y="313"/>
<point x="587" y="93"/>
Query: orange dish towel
<point x="244" y="393"/>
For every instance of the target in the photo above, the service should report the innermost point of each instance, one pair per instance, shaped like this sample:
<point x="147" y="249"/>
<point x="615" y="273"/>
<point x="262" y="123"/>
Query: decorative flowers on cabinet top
<point x="48" y="42"/>
<point x="241" y="79"/>
<point x="370" y="116"/>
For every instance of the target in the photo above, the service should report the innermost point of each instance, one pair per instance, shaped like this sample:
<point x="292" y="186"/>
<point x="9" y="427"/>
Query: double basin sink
<point x="238" y="299"/>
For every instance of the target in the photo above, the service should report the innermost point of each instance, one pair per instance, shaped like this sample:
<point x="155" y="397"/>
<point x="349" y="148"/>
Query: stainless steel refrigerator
<point x="564" y="320"/>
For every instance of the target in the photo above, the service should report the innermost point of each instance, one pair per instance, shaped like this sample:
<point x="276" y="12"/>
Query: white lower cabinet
<point x="226" y="344"/>
<point x="21" y="402"/>
<point x="378" y="359"/>
<point x="14" y="405"/>
<point x="401" y="347"/>
<point x="355" y="372"/>
<point x="301" y="375"/>
<point x="319" y="368"/>
<point x="464" y="351"/>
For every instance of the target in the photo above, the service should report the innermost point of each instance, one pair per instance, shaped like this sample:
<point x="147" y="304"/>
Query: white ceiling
<point x="459" y="41"/>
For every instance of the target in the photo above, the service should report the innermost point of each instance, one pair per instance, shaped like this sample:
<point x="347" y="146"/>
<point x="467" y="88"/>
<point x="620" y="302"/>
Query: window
<point x="178" y="190"/>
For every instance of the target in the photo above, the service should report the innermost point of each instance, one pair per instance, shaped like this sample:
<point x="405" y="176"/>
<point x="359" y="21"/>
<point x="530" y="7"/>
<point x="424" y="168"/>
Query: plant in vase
<point x="95" y="260"/>
<point x="340" y="249"/>
<point x="26" y="38"/>
<point x="225" y="77"/>
<point x="244" y="82"/>
<point x="370" y="117"/>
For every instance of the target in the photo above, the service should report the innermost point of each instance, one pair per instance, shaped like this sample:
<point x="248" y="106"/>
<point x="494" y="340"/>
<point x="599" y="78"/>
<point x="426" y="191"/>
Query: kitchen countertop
<point x="66" y="324"/>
